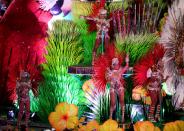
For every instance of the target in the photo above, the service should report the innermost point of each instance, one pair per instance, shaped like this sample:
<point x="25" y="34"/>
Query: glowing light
<point x="164" y="87"/>
<point x="163" y="111"/>
<point x="137" y="113"/>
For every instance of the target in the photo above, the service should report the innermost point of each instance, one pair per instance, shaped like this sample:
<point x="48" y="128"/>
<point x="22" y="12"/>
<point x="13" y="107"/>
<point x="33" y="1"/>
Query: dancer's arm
<point x="127" y="64"/>
<point x="87" y="18"/>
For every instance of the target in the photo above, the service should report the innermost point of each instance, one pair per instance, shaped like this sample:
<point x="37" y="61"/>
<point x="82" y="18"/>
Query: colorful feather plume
<point x="95" y="12"/>
<point x="23" y="27"/>
<point x="97" y="6"/>
<point x="101" y="64"/>
<point x="140" y="69"/>
<point x="29" y="62"/>
<point x="172" y="38"/>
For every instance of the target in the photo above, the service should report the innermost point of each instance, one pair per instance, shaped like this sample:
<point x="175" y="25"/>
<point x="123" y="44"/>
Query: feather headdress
<point x="141" y="68"/>
<point x="102" y="63"/>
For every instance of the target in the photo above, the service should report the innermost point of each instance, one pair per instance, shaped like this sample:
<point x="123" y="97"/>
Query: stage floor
<point x="6" y="125"/>
<point x="10" y="125"/>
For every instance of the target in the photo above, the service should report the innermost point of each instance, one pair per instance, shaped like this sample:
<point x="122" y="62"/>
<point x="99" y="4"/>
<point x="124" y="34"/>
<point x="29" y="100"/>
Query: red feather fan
<point x="22" y="32"/>
<point x="102" y="63"/>
<point x="140" y="69"/>
<point x="99" y="69"/>
<point x="29" y="62"/>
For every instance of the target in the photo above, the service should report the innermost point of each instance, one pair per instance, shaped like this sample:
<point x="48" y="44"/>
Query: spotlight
<point x="137" y="113"/>
<point x="33" y="114"/>
<point x="10" y="115"/>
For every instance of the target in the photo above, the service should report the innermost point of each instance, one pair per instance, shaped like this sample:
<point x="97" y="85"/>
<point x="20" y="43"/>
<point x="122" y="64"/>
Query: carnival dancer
<point x="114" y="76"/>
<point x="103" y="26"/>
<point x="23" y="87"/>
<point x="154" y="86"/>
<point x="148" y="72"/>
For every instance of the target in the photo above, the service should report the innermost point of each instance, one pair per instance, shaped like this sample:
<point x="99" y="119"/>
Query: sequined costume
<point x="103" y="26"/>
<point x="23" y="86"/>
<point x="114" y="76"/>
<point x="154" y="86"/>
<point x="148" y="72"/>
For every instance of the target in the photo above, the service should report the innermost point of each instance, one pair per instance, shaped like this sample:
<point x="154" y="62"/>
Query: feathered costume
<point x="108" y="69"/>
<point x="22" y="35"/>
<point x="149" y="73"/>
<point x="95" y="11"/>
<point x="23" y="86"/>
<point x="102" y="25"/>
<point x="172" y="38"/>
<point x="141" y="68"/>
<point x="101" y="64"/>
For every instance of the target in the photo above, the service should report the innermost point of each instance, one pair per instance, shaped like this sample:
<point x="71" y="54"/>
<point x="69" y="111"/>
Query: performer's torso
<point x="103" y="25"/>
<point x="23" y="91"/>
<point x="115" y="77"/>
<point x="155" y="81"/>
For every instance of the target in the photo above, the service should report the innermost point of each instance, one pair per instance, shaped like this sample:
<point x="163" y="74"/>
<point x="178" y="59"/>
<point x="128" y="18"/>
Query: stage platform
<point x="81" y="70"/>
<point x="10" y="125"/>
<point x="6" y="125"/>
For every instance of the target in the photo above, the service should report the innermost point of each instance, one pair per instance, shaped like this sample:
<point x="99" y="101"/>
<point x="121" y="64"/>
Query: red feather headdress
<point x="95" y="11"/>
<point x="141" y="68"/>
<point x="102" y="63"/>
<point x="97" y="6"/>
